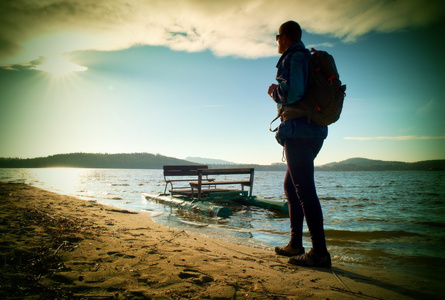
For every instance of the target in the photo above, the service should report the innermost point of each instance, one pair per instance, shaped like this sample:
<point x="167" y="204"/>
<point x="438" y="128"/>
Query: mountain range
<point x="364" y="164"/>
<point x="157" y="161"/>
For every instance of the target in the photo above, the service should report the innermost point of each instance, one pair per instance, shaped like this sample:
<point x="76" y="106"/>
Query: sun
<point x="60" y="65"/>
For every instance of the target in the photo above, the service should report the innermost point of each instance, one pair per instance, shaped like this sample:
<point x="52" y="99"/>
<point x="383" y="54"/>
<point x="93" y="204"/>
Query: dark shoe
<point x="310" y="259"/>
<point x="289" y="251"/>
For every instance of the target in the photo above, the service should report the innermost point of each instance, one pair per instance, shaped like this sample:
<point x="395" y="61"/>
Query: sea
<point x="393" y="220"/>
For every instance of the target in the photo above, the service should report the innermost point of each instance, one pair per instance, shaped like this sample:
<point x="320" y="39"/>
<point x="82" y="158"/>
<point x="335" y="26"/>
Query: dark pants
<point x="299" y="187"/>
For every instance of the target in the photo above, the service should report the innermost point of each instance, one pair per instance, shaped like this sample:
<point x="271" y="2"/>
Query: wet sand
<point x="57" y="246"/>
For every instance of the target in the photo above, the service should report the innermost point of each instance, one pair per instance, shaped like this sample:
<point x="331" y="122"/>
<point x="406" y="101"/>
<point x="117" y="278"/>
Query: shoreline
<point x="61" y="246"/>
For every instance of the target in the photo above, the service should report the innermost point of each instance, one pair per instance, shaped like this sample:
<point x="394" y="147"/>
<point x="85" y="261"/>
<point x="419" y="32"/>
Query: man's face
<point x="281" y="39"/>
<point x="280" y="45"/>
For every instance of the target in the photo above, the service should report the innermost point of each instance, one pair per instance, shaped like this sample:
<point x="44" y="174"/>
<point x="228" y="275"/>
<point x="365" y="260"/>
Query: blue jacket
<point x="292" y="76"/>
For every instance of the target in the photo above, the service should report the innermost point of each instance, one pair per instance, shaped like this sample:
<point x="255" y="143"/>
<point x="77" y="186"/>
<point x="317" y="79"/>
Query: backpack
<point x="323" y="101"/>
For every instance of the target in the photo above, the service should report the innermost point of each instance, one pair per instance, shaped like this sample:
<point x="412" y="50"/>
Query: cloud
<point x="25" y="66"/>
<point x="432" y="107"/>
<point x="396" y="138"/>
<point x="31" y="29"/>
<point x="321" y="45"/>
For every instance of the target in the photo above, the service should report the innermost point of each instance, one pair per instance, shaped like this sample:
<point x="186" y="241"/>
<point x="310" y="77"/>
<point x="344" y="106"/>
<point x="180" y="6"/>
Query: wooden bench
<point x="203" y="182"/>
<point x="181" y="173"/>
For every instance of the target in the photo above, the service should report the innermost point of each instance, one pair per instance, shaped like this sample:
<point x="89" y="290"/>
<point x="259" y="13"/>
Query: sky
<point x="187" y="78"/>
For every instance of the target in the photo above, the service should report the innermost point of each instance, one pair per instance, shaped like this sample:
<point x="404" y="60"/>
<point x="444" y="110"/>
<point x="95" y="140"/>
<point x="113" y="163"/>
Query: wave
<point x="439" y="225"/>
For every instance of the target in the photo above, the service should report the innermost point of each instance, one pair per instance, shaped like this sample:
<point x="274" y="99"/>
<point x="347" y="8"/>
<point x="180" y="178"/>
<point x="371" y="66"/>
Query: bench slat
<point x="183" y="170"/>
<point x="219" y="183"/>
<point x="227" y="171"/>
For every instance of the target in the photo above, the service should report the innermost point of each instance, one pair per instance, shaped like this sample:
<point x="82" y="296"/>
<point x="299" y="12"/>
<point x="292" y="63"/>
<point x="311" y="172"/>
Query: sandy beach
<point x="57" y="246"/>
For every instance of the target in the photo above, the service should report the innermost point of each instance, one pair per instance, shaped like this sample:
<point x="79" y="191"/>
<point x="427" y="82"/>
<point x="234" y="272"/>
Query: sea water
<point x="389" y="219"/>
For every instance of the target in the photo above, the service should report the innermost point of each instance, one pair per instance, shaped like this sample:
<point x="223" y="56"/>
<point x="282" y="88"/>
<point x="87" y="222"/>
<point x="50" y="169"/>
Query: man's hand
<point x="272" y="88"/>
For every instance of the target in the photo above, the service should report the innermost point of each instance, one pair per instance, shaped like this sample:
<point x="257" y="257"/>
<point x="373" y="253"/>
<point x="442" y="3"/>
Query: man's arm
<point x="297" y="78"/>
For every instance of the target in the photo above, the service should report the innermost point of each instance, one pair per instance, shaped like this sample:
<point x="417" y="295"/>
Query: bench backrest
<point x="231" y="171"/>
<point x="183" y="170"/>
<point x="227" y="171"/>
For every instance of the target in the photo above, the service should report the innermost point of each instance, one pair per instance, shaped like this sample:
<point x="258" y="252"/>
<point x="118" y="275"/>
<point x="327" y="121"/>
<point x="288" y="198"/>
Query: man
<point x="301" y="141"/>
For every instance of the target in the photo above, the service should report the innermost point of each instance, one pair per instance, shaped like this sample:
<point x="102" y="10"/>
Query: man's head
<point x="288" y="33"/>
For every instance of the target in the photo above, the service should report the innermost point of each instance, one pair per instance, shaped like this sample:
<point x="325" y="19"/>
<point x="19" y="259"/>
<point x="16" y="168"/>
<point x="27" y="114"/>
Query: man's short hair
<point x="292" y="30"/>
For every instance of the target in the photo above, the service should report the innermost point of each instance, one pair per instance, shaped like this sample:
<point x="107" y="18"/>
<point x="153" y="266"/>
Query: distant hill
<point x="208" y="161"/>
<point x="364" y="164"/>
<point x="95" y="160"/>
<point x="157" y="161"/>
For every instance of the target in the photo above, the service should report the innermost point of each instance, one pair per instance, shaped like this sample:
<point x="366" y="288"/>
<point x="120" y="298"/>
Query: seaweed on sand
<point x="30" y="249"/>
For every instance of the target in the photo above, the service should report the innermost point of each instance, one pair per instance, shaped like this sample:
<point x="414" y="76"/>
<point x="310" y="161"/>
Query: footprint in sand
<point x="118" y="254"/>
<point x="197" y="277"/>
